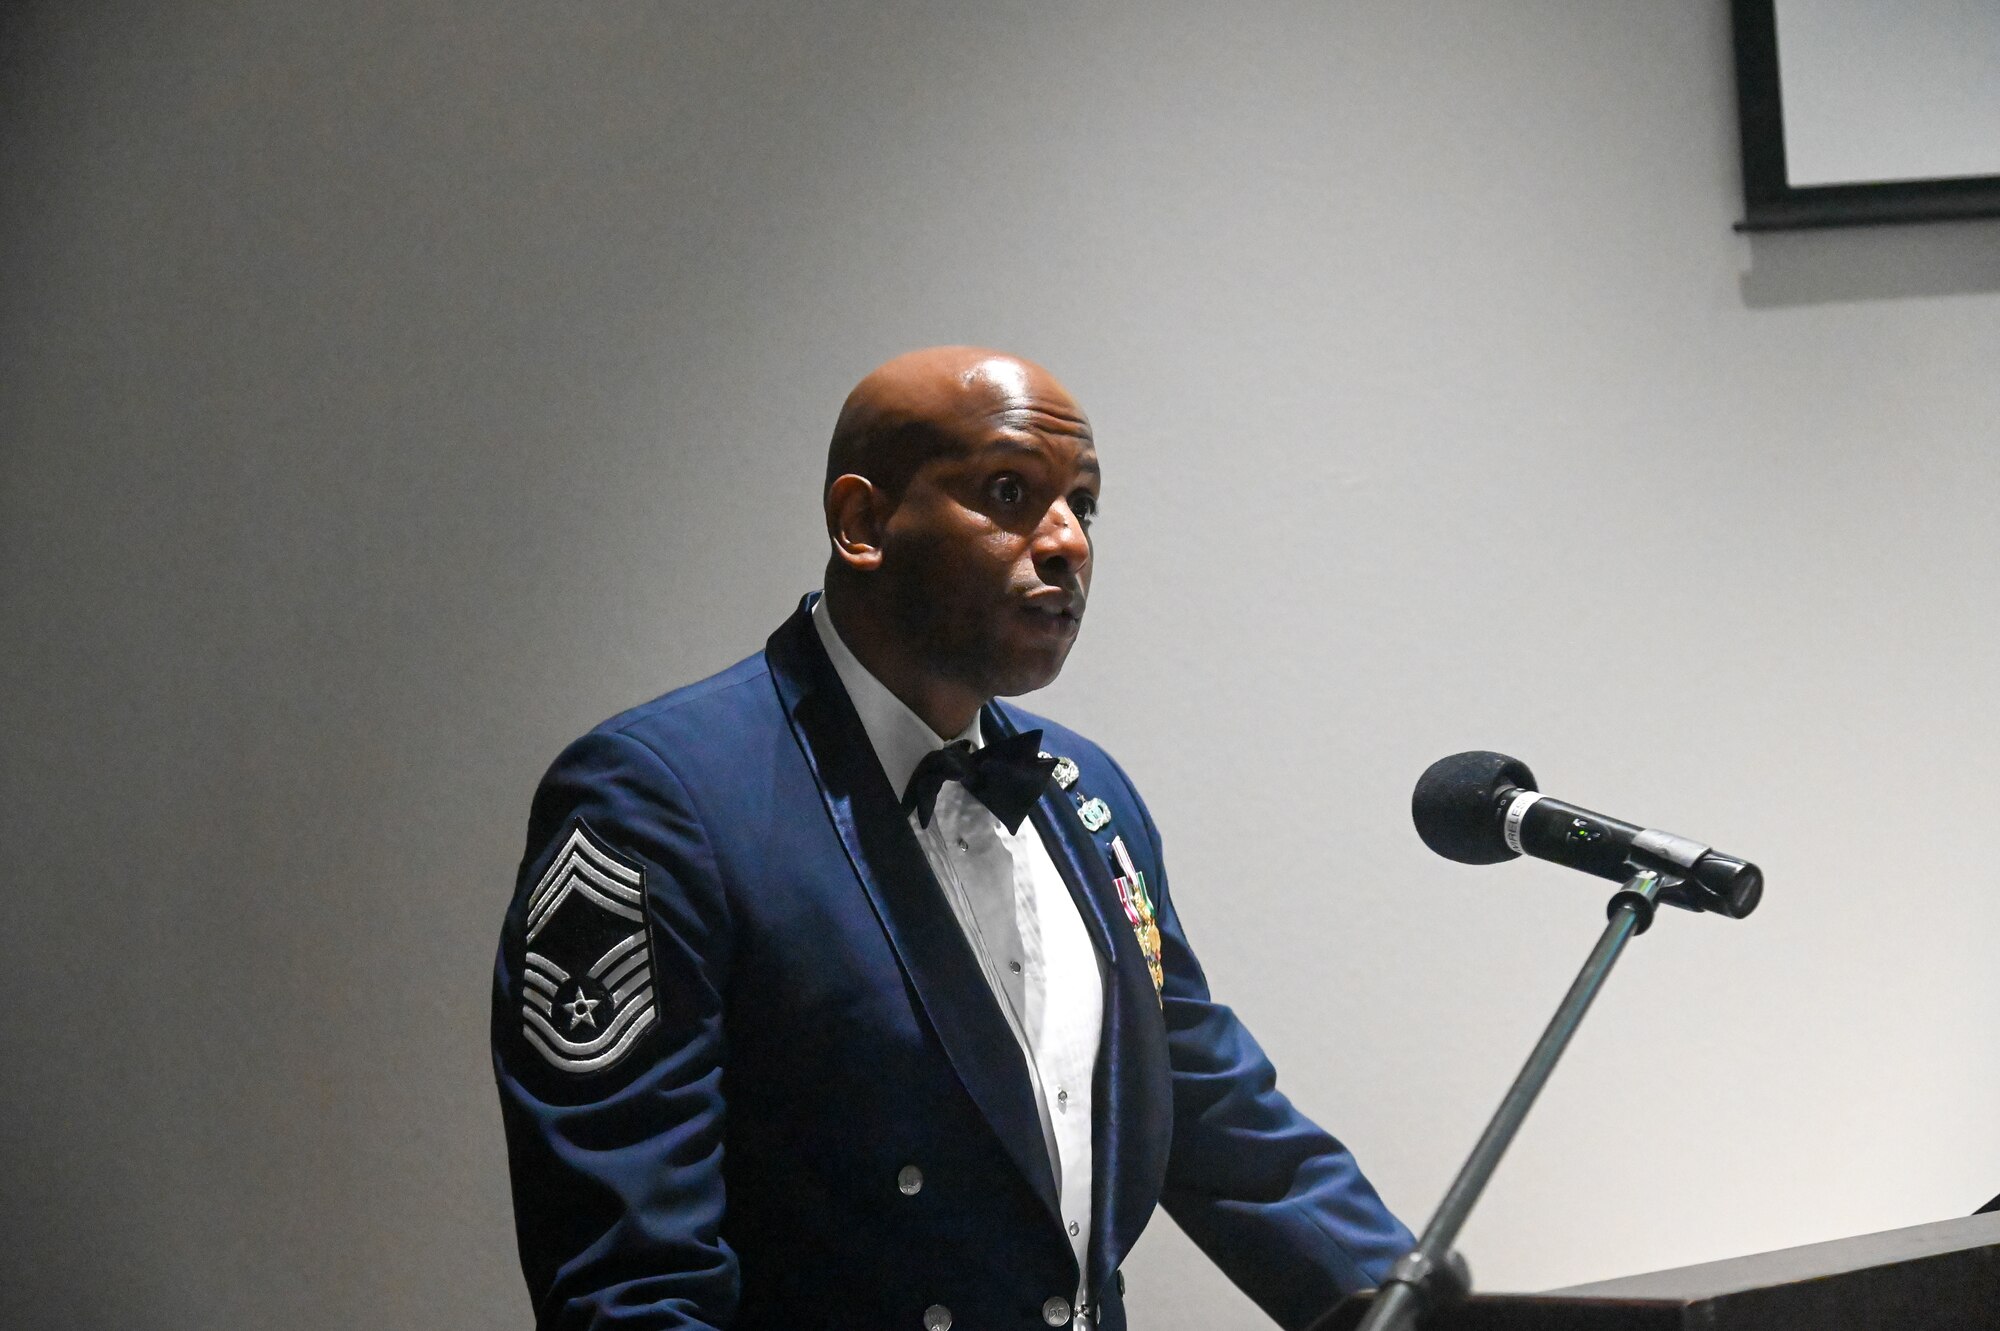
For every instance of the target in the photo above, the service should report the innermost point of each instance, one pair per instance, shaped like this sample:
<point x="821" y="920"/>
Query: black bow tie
<point x="1007" y="776"/>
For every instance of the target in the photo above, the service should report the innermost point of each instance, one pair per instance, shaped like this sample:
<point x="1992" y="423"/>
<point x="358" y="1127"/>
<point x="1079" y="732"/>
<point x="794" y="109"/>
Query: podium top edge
<point x="1808" y="1262"/>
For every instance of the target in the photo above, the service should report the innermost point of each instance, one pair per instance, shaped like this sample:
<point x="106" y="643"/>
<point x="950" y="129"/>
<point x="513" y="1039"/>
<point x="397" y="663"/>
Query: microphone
<point x="1483" y="808"/>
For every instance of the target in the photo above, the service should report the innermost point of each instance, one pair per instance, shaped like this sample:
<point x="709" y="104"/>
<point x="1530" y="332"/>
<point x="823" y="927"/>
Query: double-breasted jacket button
<point x="1056" y="1311"/>
<point x="937" y="1317"/>
<point x="909" y="1180"/>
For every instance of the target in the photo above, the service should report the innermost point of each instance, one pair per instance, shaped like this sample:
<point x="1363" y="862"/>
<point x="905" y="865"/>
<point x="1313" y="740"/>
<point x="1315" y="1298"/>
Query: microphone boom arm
<point x="1431" y="1272"/>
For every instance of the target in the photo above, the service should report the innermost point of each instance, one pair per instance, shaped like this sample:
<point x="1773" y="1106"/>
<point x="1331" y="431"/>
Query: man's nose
<point x="1062" y="537"/>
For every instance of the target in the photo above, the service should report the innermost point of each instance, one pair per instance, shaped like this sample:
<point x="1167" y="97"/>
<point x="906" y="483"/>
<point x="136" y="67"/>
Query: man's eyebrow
<point x="1005" y="444"/>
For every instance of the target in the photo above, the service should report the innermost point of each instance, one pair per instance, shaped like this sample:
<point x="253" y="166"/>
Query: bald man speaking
<point x="836" y="992"/>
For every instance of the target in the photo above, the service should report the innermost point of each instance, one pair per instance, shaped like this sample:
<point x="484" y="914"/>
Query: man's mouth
<point x="1056" y="610"/>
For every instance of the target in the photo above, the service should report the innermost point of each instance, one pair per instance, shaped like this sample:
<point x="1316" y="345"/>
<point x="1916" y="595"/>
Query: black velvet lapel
<point x="1132" y="1092"/>
<point x="905" y="896"/>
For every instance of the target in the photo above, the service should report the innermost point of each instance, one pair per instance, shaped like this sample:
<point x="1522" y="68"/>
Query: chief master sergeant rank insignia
<point x="587" y="985"/>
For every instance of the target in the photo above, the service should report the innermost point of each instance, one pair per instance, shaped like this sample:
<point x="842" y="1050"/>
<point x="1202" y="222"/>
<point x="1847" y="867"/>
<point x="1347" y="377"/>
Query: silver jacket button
<point x="910" y="1182"/>
<point x="937" y="1317"/>
<point x="1056" y="1311"/>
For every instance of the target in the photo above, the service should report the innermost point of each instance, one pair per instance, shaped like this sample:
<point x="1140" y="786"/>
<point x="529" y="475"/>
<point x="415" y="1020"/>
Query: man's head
<point x="960" y="485"/>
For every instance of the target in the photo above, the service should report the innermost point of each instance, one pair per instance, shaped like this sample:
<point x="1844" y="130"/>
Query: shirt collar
<point x="900" y="737"/>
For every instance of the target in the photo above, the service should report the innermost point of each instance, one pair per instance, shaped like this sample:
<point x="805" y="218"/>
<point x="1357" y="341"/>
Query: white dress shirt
<point x="1018" y="917"/>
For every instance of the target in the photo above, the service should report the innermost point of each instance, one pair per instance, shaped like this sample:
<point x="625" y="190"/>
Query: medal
<point x="1138" y="907"/>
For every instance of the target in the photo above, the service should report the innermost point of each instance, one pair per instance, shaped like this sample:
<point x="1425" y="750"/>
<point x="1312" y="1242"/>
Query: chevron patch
<point x="587" y="978"/>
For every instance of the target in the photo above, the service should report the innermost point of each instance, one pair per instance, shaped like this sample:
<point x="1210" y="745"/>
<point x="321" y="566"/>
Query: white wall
<point x="391" y="392"/>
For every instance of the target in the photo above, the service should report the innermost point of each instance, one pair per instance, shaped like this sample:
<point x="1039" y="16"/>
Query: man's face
<point x="987" y="555"/>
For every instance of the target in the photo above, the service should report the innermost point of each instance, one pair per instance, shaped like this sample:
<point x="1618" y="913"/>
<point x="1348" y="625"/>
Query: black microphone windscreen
<point x="1455" y="805"/>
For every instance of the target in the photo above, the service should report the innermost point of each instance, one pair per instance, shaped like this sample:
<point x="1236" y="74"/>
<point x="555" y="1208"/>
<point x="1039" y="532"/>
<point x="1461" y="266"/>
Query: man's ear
<point x="856" y="513"/>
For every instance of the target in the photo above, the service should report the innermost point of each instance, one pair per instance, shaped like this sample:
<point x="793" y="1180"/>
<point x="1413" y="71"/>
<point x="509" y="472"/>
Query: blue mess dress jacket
<point x="752" y="1076"/>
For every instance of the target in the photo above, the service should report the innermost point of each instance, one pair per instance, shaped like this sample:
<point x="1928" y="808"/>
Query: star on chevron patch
<point x="587" y="978"/>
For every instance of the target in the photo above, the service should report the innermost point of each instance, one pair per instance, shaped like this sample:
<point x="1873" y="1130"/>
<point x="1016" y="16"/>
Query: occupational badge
<point x="1066" y="772"/>
<point x="1096" y="814"/>
<point x="587" y="982"/>
<point x="1131" y="885"/>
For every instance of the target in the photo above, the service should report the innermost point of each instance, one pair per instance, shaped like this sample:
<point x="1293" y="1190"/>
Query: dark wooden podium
<point x="1939" y="1277"/>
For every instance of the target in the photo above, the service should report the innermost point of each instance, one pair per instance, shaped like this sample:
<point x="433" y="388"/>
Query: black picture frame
<point x="1771" y="203"/>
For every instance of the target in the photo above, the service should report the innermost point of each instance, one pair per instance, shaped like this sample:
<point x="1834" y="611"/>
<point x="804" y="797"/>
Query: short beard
<point x="946" y="649"/>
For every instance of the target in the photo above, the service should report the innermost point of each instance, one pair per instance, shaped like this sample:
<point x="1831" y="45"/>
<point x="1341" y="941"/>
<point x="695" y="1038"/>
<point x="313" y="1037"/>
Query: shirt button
<point x="937" y="1317"/>
<point x="1062" y="1099"/>
<point x="962" y="846"/>
<point x="1014" y="966"/>
<point x="1056" y="1311"/>
<point x="1074" y="1229"/>
<point x="909" y="1180"/>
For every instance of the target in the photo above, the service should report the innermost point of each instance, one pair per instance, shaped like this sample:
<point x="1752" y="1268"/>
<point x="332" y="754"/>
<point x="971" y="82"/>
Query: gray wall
<point x="390" y="392"/>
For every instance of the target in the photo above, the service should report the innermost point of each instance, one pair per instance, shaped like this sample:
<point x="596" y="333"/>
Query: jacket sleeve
<point x="1273" y="1199"/>
<point x="608" y="1048"/>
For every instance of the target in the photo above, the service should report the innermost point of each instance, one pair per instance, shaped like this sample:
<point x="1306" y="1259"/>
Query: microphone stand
<point x="1431" y="1273"/>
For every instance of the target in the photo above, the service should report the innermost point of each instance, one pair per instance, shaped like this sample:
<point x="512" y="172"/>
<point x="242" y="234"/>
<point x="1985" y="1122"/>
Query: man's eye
<point x="1008" y="490"/>
<point x="1084" y="505"/>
